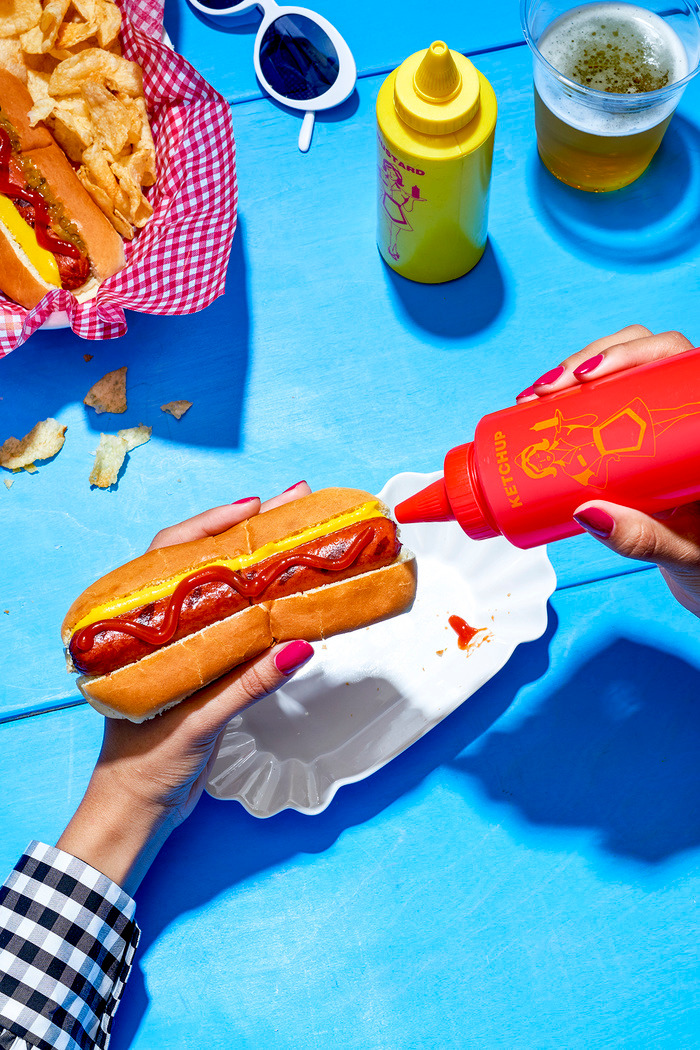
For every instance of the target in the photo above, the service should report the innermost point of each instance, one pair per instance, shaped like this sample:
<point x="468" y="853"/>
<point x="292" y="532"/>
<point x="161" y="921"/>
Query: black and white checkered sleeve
<point x="67" y="940"/>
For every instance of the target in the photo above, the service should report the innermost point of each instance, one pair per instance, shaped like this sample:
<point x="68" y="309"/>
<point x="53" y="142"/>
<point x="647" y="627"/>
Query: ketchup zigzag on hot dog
<point x="52" y="234"/>
<point x="155" y="630"/>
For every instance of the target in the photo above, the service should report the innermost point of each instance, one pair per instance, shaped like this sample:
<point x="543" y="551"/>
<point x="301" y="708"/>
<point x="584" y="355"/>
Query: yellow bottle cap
<point x="436" y="91"/>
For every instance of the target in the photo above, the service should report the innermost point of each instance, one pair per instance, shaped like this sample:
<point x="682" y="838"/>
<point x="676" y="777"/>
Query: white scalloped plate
<point x="367" y="695"/>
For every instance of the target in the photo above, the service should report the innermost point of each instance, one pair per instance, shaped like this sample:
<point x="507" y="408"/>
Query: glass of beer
<point x="608" y="77"/>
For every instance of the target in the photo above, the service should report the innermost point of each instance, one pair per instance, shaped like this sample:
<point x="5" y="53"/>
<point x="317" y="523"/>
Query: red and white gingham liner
<point x="177" y="263"/>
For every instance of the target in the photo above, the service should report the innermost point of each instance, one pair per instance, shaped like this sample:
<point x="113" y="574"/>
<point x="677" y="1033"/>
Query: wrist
<point x="115" y="834"/>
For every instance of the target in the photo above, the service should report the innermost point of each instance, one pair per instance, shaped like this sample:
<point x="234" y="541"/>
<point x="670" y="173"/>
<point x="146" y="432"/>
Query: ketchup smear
<point x="465" y="633"/>
<point x="251" y="587"/>
<point x="42" y="220"/>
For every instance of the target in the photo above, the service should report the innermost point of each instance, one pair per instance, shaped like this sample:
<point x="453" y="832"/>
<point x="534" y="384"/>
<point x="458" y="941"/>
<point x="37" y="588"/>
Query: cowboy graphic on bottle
<point x="397" y="203"/>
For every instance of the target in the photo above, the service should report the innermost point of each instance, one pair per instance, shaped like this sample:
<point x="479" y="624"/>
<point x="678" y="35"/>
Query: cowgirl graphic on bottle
<point x="585" y="446"/>
<point x="396" y="204"/>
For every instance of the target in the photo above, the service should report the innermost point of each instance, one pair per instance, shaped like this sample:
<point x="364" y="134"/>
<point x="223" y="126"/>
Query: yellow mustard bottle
<point x="436" y="119"/>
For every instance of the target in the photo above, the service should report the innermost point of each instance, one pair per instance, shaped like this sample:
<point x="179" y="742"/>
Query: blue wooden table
<point x="524" y="877"/>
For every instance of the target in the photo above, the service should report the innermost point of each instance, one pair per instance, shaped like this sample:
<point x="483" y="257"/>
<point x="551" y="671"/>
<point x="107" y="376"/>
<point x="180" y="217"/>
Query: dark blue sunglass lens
<point x="297" y="58"/>
<point x="220" y="5"/>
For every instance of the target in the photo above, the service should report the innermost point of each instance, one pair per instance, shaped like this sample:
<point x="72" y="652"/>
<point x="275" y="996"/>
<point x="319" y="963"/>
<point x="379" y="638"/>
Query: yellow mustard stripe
<point x="44" y="261"/>
<point x="162" y="590"/>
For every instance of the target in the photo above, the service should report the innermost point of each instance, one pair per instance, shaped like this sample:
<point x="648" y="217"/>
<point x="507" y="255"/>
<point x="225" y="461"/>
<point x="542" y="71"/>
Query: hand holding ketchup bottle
<point x="602" y="443"/>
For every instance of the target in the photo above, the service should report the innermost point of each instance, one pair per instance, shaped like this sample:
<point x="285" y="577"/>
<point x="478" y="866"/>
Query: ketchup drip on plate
<point x="42" y="219"/>
<point x="248" y="586"/>
<point x="465" y="633"/>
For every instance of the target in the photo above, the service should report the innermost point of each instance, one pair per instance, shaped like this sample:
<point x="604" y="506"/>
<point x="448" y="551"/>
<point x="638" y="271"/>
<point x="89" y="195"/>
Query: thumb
<point x="635" y="535"/>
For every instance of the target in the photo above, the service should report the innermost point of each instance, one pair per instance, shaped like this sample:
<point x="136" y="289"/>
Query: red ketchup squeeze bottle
<point x="632" y="438"/>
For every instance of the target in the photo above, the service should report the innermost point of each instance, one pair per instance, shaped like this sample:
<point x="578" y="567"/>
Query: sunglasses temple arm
<point x="307" y="127"/>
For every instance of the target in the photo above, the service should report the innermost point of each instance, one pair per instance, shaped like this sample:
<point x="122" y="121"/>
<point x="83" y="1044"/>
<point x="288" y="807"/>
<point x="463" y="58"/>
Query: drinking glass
<point x="607" y="79"/>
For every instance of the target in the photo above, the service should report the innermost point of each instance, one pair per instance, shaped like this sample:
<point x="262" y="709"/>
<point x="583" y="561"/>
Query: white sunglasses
<point x="301" y="60"/>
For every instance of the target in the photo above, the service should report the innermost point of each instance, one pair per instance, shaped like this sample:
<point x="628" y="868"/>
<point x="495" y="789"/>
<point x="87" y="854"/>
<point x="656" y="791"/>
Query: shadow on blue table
<point x="653" y="221"/>
<point x="222" y="845"/>
<point x="614" y="749"/>
<point x="174" y="358"/>
<point x="458" y="308"/>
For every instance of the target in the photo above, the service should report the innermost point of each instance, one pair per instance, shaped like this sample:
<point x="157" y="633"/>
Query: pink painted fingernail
<point x="246" y="499"/>
<point x="293" y="656"/>
<point x="595" y="520"/>
<point x="550" y="377"/>
<point x="527" y="392"/>
<point x="588" y="366"/>
<point x="295" y="485"/>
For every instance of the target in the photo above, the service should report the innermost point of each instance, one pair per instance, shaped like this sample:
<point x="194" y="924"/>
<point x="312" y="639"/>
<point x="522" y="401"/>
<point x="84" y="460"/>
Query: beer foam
<point x="616" y="48"/>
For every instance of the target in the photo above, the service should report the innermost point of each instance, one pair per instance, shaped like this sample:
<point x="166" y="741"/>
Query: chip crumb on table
<point x="108" y="394"/>
<point x="43" y="441"/>
<point x="112" y="452"/>
<point x="176" y="408"/>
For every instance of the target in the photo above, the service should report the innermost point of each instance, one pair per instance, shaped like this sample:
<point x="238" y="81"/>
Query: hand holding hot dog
<point x="149" y="777"/>
<point x="153" y="631"/>
<point x="672" y="541"/>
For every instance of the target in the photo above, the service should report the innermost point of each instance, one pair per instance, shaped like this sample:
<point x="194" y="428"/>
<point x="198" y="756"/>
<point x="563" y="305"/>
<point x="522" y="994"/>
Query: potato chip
<point x="176" y="408"/>
<point x="134" y="114"/>
<point x="42" y="37"/>
<point x="43" y="441"/>
<point x="60" y="54"/>
<point x="87" y="9"/>
<point x="95" y="64"/>
<point x="111" y="453"/>
<point x="18" y="16"/>
<point x="146" y="146"/>
<point x="38" y="87"/>
<point x="104" y="202"/>
<point x="109" y="393"/>
<point x="110" y="118"/>
<point x="40" y="63"/>
<point x="109" y="22"/>
<point x="96" y="162"/>
<point x="121" y="223"/>
<point x="11" y="58"/>
<point x="72" y="130"/>
<point x="135" y="436"/>
<point x="73" y="33"/>
<point x="139" y="209"/>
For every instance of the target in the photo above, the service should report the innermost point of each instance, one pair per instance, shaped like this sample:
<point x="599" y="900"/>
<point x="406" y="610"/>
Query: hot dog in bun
<point x="52" y="234"/>
<point x="154" y="631"/>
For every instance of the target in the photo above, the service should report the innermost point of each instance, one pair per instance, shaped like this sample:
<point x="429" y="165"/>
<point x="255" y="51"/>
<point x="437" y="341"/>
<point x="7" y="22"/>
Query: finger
<point x="292" y="493"/>
<point x="631" y="346"/>
<point x="210" y="710"/>
<point x="562" y="375"/>
<point x="208" y="523"/>
<point x="636" y="535"/>
<point x="630" y="354"/>
<point x="218" y="519"/>
<point x="598" y="346"/>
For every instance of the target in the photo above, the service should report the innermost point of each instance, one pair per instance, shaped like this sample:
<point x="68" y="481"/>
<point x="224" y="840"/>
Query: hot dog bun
<point x="42" y="165"/>
<point x="163" y="678"/>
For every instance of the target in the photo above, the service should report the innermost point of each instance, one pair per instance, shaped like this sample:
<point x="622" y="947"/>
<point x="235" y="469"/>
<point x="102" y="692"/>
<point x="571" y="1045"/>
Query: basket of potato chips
<point x="151" y="141"/>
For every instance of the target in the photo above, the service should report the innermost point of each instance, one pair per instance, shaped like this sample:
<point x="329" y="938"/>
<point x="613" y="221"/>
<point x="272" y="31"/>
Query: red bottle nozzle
<point x="430" y="504"/>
